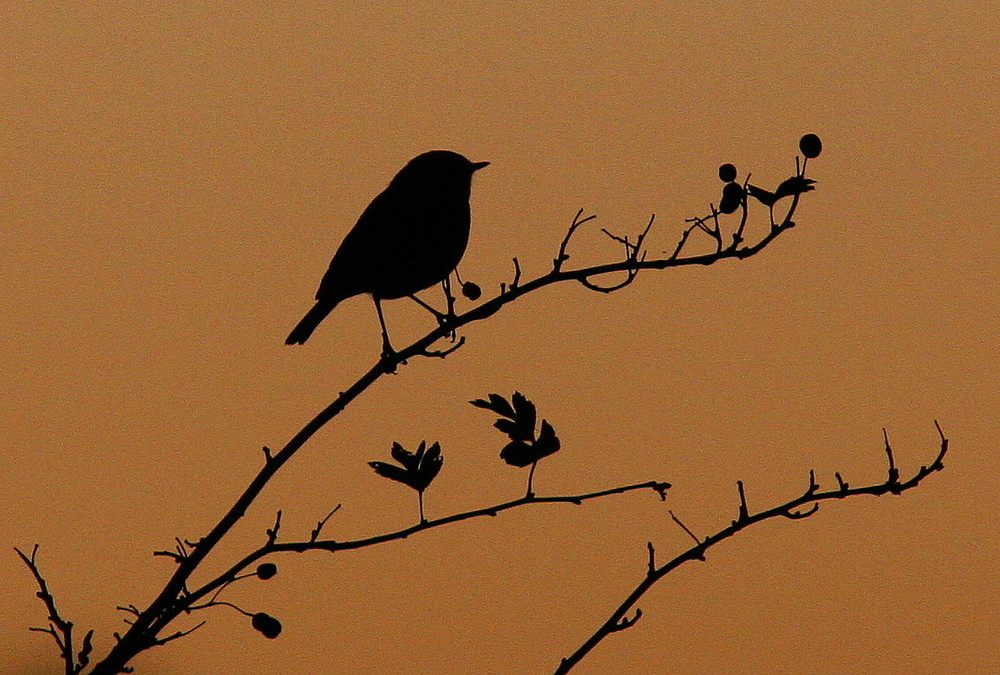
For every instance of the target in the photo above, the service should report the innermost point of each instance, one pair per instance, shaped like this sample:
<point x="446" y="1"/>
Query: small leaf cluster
<point x="417" y="469"/>
<point x="517" y="420"/>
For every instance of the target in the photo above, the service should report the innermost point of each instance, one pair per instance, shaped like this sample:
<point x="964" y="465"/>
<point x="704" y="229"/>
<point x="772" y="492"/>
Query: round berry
<point x="732" y="197"/>
<point x="268" y="626"/>
<point x="727" y="173"/>
<point x="266" y="570"/>
<point x="810" y="145"/>
<point x="471" y="290"/>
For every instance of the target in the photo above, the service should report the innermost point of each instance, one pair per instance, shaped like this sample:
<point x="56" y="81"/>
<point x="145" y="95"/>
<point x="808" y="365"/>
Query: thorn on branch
<point x="813" y="486"/>
<point x="626" y="622"/>
<point x="844" y="485"/>
<point x="517" y="274"/>
<point x="652" y="558"/>
<point x="267" y="454"/>
<point x="893" y="471"/>
<point x="744" y="511"/>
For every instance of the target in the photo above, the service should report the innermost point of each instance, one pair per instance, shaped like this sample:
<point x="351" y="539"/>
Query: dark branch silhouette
<point x="813" y="495"/>
<point x="365" y="264"/>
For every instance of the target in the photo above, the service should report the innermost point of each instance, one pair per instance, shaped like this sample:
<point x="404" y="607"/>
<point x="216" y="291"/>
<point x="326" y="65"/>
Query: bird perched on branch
<point x="410" y="237"/>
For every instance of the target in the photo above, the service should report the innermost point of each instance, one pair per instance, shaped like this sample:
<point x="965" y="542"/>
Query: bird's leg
<point x="449" y="298"/>
<point x="443" y="319"/>
<point x="387" y="350"/>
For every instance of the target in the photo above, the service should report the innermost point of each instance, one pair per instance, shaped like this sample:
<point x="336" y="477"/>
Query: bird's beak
<point x="476" y="166"/>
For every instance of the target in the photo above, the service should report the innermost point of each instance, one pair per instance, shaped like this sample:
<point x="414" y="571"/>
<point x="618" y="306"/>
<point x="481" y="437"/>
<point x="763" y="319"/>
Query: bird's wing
<point x="360" y="253"/>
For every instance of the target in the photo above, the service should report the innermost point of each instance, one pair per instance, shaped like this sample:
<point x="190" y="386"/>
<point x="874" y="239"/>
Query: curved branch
<point x="332" y="546"/>
<point x="618" y="619"/>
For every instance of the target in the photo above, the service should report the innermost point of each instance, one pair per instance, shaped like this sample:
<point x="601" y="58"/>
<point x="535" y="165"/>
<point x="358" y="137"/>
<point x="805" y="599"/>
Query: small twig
<point x="893" y="471"/>
<point x="652" y="557"/>
<point x="680" y="244"/>
<point x="844" y="485"/>
<point x="60" y="629"/>
<point x="684" y="527"/>
<point x="314" y="535"/>
<point x="744" y="212"/>
<point x="562" y="256"/>
<point x="272" y="532"/>
<point x="517" y="274"/>
<point x="178" y="634"/>
<point x="744" y="511"/>
<point x="531" y="474"/>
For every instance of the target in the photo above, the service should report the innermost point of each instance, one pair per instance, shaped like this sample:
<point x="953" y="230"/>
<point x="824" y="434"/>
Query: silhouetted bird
<point x="410" y="237"/>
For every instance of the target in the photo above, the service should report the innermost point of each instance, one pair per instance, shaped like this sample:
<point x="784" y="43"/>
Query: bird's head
<point x="438" y="170"/>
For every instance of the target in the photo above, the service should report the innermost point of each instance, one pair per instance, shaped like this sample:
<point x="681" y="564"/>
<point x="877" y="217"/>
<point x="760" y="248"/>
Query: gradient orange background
<point x="176" y="177"/>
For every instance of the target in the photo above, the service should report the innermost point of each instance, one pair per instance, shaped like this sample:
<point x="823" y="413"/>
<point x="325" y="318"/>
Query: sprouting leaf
<point x="547" y="442"/>
<point x="795" y="185"/>
<point x="497" y="404"/>
<point x="392" y="472"/>
<point x="524" y="408"/>
<point x="518" y="422"/>
<point x="418" y="468"/>
<point x="509" y="427"/>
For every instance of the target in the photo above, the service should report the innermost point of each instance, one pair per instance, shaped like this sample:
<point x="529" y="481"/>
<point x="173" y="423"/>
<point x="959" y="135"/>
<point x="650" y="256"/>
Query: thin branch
<point x="272" y="532"/>
<point x="744" y="511"/>
<point x="60" y="629"/>
<point x="893" y="471"/>
<point x="684" y="527"/>
<point x="562" y="256"/>
<point x="659" y="487"/>
<point x="314" y="535"/>
<point x="614" y="622"/>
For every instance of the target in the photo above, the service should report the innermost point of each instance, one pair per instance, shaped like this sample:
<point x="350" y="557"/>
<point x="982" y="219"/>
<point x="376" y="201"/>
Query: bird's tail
<point x="308" y="324"/>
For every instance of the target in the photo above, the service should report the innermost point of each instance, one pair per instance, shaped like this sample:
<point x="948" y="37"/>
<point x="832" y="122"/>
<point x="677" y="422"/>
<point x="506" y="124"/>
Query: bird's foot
<point x="389" y="356"/>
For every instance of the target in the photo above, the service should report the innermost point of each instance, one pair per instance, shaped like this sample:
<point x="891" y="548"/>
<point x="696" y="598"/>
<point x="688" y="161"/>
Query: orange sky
<point x="176" y="178"/>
